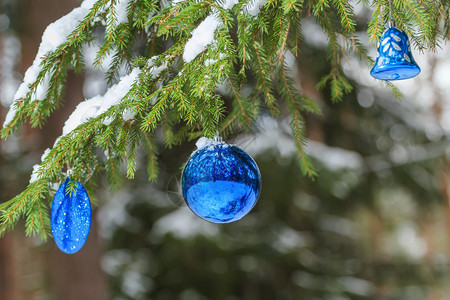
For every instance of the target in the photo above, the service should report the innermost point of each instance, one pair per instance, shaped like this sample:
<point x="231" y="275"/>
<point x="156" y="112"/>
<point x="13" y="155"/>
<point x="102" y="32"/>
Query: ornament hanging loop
<point x="391" y="22"/>
<point x="218" y="138"/>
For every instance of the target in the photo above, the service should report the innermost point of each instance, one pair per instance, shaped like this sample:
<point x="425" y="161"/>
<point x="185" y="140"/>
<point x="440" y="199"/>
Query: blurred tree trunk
<point x="77" y="276"/>
<point x="8" y="283"/>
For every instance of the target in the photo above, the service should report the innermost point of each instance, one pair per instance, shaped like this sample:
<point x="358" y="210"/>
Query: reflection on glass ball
<point x="221" y="183"/>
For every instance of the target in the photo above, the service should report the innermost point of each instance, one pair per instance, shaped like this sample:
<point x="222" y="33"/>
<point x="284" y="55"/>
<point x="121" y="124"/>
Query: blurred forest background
<point x="375" y="224"/>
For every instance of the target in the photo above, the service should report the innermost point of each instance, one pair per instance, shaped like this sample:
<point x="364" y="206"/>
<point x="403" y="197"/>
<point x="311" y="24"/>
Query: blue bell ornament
<point x="395" y="60"/>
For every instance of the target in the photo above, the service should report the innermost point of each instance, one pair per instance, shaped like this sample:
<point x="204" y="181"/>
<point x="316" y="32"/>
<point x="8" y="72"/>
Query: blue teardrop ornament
<point x="70" y="217"/>
<point x="221" y="183"/>
<point x="395" y="60"/>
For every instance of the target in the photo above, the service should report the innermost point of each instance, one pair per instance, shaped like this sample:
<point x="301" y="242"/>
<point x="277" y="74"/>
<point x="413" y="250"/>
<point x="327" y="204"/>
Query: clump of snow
<point x="174" y="2"/>
<point x="35" y="174"/>
<point x="151" y="61"/>
<point x="203" y="142"/>
<point x="210" y="143"/>
<point x="155" y="71"/>
<point x="98" y="105"/>
<point x="291" y="63"/>
<point x="202" y="36"/>
<point x="107" y="121"/>
<point x="128" y="114"/>
<point x="54" y="36"/>
<point x="42" y="88"/>
<point x="121" y="11"/>
<point x="164" y="4"/>
<point x="88" y="4"/>
<point x="45" y="154"/>
<point x="57" y="141"/>
<point x="10" y="115"/>
<point x="227" y="4"/>
<point x="253" y="7"/>
<point x="210" y="61"/>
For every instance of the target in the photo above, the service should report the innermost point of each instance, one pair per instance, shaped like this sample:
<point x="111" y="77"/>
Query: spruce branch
<point x="185" y="80"/>
<point x="152" y="165"/>
<point x="296" y="103"/>
<point x="346" y="14"/>
<point x="264" y="80"/>
<point x="376" y="24"/>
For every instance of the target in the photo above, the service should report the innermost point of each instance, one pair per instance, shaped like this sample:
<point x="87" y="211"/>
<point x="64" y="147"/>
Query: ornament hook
<point x="391" y="22"/>
<point x="217" y="137"/>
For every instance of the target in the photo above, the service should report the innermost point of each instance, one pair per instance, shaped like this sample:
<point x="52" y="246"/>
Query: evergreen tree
<point x="186" y="65"/>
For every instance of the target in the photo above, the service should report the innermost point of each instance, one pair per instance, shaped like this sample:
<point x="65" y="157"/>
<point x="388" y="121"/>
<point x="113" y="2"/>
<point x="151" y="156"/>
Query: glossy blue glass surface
<point x="221" y="183"/>
<point x="394" y="61"/>
<point x="70" y="217"/>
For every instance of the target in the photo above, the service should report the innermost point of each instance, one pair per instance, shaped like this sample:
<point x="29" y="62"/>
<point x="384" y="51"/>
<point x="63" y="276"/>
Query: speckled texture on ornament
<point x="70" y="217"/>
<point x="221" y="183"/>
<point x="395" y="60"/>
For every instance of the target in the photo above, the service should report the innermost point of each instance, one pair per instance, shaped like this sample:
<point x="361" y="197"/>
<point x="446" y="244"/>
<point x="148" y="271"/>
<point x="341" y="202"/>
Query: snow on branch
<point x="54" y="36"/>
<point x="227" y="4"/>
<point x="94" y="107"/>
<point x="202" y="36"/>
<point x="35" y="175"/>
<point x="121" y="9"/>
<point x="253" y="7"/>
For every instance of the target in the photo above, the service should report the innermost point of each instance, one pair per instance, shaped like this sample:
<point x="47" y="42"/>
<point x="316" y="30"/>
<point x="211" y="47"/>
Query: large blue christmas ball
<point x="220" y="182"/>
<point x="70" y="217"/>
